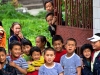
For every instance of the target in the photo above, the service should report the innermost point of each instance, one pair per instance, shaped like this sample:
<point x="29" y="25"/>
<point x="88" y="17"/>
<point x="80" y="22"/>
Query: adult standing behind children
<point x="71" y="61"/>
<point x="57" y="42"/>
<point x="41" y="42"/>
<point x="95" y="63"/>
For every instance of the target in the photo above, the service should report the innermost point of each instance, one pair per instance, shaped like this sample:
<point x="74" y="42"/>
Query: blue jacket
<point x="87" y="68"/>
<point x="96" y="66"/>
<point x="14" y="37"/>
<point x="8" y="70"/>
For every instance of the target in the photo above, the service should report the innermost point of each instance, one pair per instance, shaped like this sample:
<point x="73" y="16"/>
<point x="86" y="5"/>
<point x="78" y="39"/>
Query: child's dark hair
<point x="48" y="14"/>
<point x="2" y="50"/>
<point x="26" y="42"/>
<point x="47" y="1"/>
<point x="56" y="38"/>
<point x="49" y="49"/>
<point x="43" y="39"/>
<point x="13" y="43"/>
<point x="71" y="39"/>
<point x="11" y="31"/>
<point x="0" y="23"/>
<point x="86" y="46"/>
<point x="37" y="49"/>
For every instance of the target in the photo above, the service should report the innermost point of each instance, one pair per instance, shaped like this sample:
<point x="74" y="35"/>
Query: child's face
<point x="49" y="19"/>
<point x="16" y="51"/>
<point x="36" y="55"/>
<point x="96" y="45"/>
<point x="49" y="56"/>
<point x="2" y="57"/>
<point x="87" y="53"/>
<point x="16" y="29"/>
<point x="39" y="43"/>
<point x="49" y="7"/>
<point x="26" y="49"/>
<point x="58" y="45"/>
<point x="70" y="46"/>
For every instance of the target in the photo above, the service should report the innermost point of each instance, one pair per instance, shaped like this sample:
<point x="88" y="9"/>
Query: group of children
<point x="25" y="59"/>
<point x="42" y="59"/>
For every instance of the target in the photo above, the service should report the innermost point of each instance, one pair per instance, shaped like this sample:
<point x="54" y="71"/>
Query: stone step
<point x="33" y="6"/>
<point x="25" y="2"/>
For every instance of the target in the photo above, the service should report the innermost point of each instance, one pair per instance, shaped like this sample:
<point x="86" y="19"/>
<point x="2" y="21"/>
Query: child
<point x="2" y="37"/>
<point x="51" y="27"/>
<point x="50" y="67"/>
<point x="41" y="42"/>
<point x="37" y="61"/>
<point x="86" y="51"/>
<point x="95" y="62"/>
<point x="49" y="7"/>
<point x="71" y="61"/>
<point x="5" y="68"/>
<point x="57" y="42"/>
<point x="15" y="59"/>
<point x="26" y="46"/>
<point x="15" y="32"/>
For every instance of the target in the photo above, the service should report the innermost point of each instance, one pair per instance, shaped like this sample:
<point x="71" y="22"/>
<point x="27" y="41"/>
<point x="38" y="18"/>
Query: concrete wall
<point x="96" y="16"/>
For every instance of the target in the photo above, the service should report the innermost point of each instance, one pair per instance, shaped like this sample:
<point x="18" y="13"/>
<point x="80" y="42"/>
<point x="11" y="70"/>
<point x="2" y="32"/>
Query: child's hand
<point x="29" y="62"/>
<point x="12" y="64"/>
<point x="37" y="68"/>
<point x="54" y="19"/>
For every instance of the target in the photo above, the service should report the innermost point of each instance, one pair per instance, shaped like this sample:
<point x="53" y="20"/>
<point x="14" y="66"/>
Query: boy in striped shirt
<point x="15" y="59"/>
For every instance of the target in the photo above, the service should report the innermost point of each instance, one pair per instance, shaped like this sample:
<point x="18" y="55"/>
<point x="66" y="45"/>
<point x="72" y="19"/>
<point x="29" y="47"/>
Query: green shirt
<point x="26" y="57"/>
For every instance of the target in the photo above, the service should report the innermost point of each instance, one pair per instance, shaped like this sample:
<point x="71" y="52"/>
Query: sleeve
<point x="61" y="61"/>
<point x="60" y="68"/>
<point x="24" y="64"/>
<point x="52" y="32"/>
<point x="78" y="61"/>
<point x="41" y="71"/>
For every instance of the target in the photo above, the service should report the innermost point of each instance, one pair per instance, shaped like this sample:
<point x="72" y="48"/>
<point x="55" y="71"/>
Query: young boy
<point x="57" y="42"/>
<point x="51" y="27"/>
<point x="26" y="46"/>
<point x="15" y="59"/>
<point x="95" y="63"/>
<point x="5" y="68"/>
<point x="71" y="61"/>
<point x="38" y="60"/>
<point x="50" y="67"/>
<point x="49" y="7"/>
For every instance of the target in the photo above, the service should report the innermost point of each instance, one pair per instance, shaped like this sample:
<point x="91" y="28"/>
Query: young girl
<point x="15" y="32"/>
<point x="41" y="42"/>
<point x="86" y="58"/>
<point x="50" y="67"/>
<point x="37" y="61"/>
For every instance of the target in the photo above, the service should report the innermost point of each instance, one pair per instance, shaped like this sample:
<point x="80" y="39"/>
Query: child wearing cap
<point x="95" y="62"/>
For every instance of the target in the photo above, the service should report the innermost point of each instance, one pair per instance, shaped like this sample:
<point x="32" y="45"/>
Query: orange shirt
<point x="3" y="39"/>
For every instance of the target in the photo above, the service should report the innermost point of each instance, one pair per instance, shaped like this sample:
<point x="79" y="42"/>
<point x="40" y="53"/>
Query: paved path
<point x="35" y="11"/>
